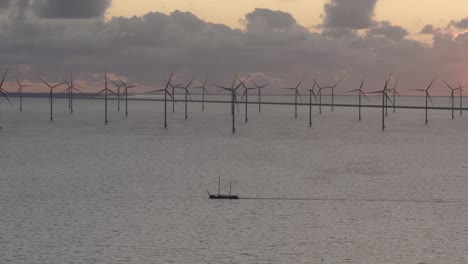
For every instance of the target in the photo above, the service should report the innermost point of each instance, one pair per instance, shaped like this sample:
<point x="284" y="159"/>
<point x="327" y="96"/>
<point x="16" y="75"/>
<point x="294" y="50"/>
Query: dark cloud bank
<point x="55" y="37"/>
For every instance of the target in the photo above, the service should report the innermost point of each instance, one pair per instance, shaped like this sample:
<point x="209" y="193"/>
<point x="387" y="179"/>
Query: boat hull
<point x="226" y="197"/>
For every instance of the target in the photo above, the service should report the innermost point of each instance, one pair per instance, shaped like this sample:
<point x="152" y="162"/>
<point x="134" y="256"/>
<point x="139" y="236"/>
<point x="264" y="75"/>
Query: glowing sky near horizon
<point x="412" y="15"/>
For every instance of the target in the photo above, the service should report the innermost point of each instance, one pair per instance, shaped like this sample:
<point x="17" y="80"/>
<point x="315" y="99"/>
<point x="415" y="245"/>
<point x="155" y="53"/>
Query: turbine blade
<point x="222" y="87"/>
<point x="44" y="82"/>
<point x="155" y="91"/>
<point x="190" y="96"/>
<point x="57" y="85"/>
<point x="430" y="85"/>
<point x="168" y="93"/>
<point x="3" y="79"/>
<point x="190" y="83"/>
<point x="365" y="96"/>
<point x="6" y="97"/>
<point x="353" y="91"/>
<point x="258" y="86"/>
<point x="169" y="80"/>
<point x="430" y="99"/>
<point x="100" y="92"/>
<point x="448" y="85"/>
<point x="362" y="83"/>
<point x="300" y="97"/>
<point x="299" y="84"/>
<point x="110" y="91"/>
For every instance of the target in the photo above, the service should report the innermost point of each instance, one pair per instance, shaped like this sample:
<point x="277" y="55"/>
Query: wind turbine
<point x="20" y="91"/>
<point x="333" y="94"/>
<point x="3" y="91"/>
<point x="118" y="86"/>
<point x="312" y="93"/>
<point x="187" y="95"/>
<point x="203" y="88"/>
<point x="246" y="94"/>
<point x="70" y="89"/>
<point x="105" y="91"/>
<point x="428" y="96"/>
<point x="384" y="97"/>
<point x="166" y="93"/>
<point x="296" y="94"/>
<point x="395" y="93"/>
<point x="460" y="92"/>
<point x="320" y="96"/>
<point x="260" y="87"/>
<point x="452" y="98"/>
<point x="51" y="87"/>
<point x="233" y="98"/>
<point x="360" y="92"/>
<point x="126" y="94"/>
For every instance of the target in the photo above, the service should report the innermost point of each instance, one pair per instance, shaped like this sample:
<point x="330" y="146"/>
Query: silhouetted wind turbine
<point x="460" y="92"/>
<point x="3" y="91"/>
<point x="51" y="96"/>
<point x="395" y="93"/>
<point x="360" y="92"/>
<point x="126" y="94"/>
<point x="203" y="88"/>
<point x="260" y="94"/>
<point x="70" y="89"/>
<point x="452" y="98"/>
<point x="312" y="93"/>
<point x="166" y="93"/>
<point x="233" y="98"/>
<point x="20" y="91"/>
<point x="105" y="91"/>
<point x="320" y="96"/>
<point x="384" y="97"/>
<point x="296" y="94"/>
<point x="333" y="94"/>
<point x="118" y="86"/>
<point x="428" y="96"/>
<point x="187" y="95"/>
<point x="246" y="94"/>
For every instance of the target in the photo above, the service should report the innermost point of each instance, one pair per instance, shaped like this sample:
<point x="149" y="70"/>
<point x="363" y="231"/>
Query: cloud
<point x="386" y="29"/>
<point x="461" y="24"/>
<point x="355" y="14"/>
<point x="273" y="48"/>
<point x="55" y="9"/>
<point x="429" y="29"/>
<point x="70" y="9"/>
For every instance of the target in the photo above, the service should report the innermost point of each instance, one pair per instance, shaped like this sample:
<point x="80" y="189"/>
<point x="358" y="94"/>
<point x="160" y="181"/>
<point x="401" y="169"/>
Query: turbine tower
<point x="361" y="93"/>
<point x="166" y="93"/>
<point x="296" y="94"/>
<point x="51" y="87"/>
<point x="428" y="96"/>
<point x="105" y="91"/>
<point x="3" y="92"/>
<point x="20" y="91"/>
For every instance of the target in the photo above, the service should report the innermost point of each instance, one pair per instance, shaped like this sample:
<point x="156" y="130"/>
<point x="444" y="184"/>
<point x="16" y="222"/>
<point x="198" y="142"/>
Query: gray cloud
<point x="54" y="9"/>
<point x="461" y="24"/>
<point x="429" y="29"/>
<point x="70" y="9"/>
<point x="356" y="14"/>
<point x="386" y="29"/>
<point x="273" y="47"/>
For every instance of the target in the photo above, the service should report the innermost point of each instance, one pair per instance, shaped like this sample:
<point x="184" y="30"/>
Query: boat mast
<point x="229" y="187"/>
<point x="219" y="185"/>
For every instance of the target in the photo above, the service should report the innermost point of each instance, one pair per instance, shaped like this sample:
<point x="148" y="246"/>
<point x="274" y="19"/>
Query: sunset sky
<point x="276" y="41"/>
<point x="413" y="14"/>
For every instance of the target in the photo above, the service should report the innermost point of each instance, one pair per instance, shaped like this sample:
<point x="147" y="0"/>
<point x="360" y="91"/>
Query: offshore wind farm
<point x="328" y="131"/>
<point x="285" y="173"/>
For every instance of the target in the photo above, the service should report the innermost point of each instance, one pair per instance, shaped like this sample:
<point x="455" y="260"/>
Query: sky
<point x="274" y="41"/>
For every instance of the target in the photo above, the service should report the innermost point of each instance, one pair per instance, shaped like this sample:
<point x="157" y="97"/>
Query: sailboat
<point x="223" y="196"/>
